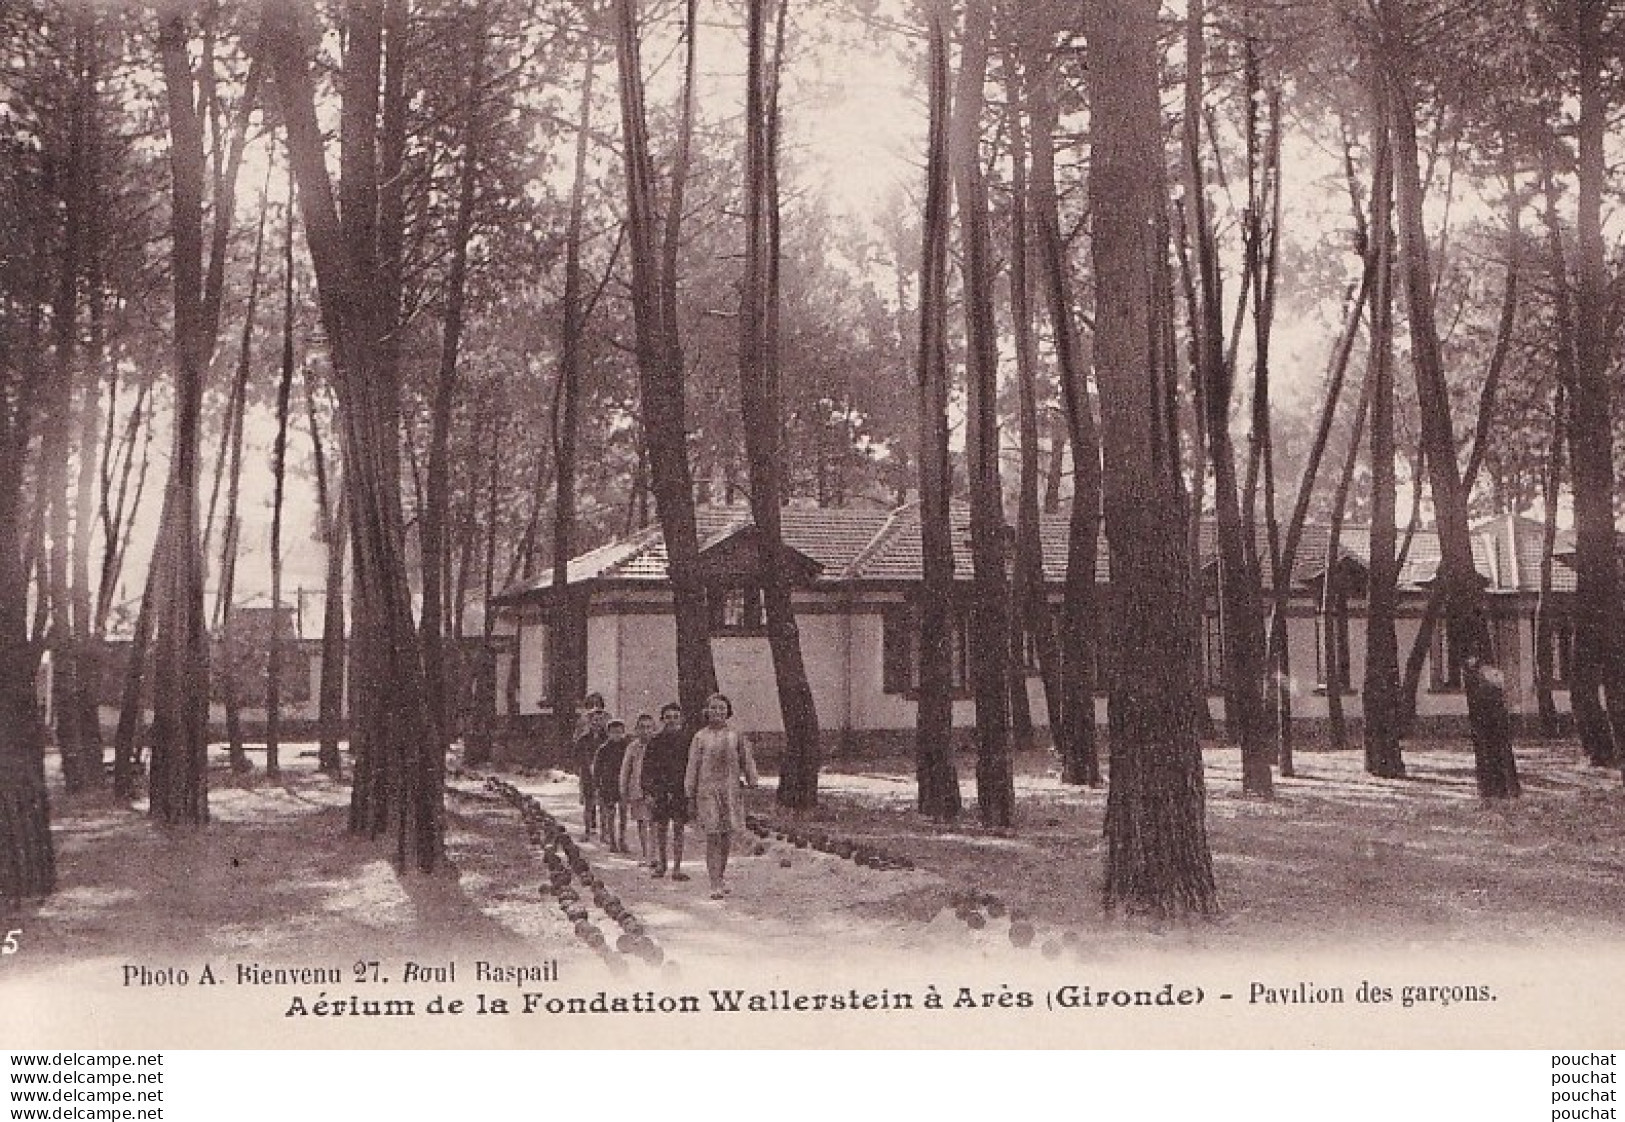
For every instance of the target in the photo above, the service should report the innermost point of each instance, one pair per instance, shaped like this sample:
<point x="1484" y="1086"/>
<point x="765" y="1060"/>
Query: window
<point x="1339" y="623"/>
<point x="900" y="650"/>
<point x="1212" y="654"/>
<point x="737" y="610"/>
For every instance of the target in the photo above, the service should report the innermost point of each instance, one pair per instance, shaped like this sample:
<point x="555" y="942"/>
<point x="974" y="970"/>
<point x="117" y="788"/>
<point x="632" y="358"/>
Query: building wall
<point x="632" y="661"/>
<point x="604" y="643"/>
<point x="1514" y="641"/>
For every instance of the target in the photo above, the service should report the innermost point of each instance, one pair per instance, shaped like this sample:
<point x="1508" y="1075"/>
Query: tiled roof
<point x="832" y="536"/>
<point x="864" y="544"/>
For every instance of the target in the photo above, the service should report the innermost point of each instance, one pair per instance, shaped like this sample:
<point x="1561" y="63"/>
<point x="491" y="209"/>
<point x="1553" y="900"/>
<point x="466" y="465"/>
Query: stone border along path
<point x="985" y="917"/>
<point x="968" y="906"/>
<point x="566" y="864"/>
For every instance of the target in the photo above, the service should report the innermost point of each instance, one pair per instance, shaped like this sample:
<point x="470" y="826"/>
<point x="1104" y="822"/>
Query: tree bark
<point x="661" y="373"/>
<point x="435" y="560"/>
<point x="1030" y="609"/>
<point x="569" y="630"/>
<point x="75" y="191"/>
<point x="279" y="472"/>
<point x="1467" y="624"/>
<point x="27" y="853"/>
<point x="1551" y="487"/>
<point x="1332" y="609"/>
<point x="1380" y="727"/>
<point x="989" y="649"/>
<point x="938" y="780"/>
<point x="1158" y="859"/>
<point x="399" y="770"/>
<point x="1599" y="616"/>
<point x="232" y="449"/>
<point x="761" y="405"/>
<point x="330" y="688"/>
<point x="1081" y="630"/>
<point x="178" y="779"/>
<point x="1241" y="619"/>
<point x="88" y="635"/>
<point x="1591" y="723"/>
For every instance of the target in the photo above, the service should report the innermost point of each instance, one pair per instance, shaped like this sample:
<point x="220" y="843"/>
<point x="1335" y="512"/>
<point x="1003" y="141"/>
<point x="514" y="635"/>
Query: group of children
<point x="660" y="780"/>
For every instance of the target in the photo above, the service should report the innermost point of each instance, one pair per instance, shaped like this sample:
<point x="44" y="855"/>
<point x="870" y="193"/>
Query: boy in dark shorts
<point x="606" y="782"/>
<point x="584" y="750"/>
<point x="665" y="763"/>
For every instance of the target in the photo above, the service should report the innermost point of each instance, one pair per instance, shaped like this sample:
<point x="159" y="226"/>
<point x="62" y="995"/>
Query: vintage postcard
<point x="673" y="524"/>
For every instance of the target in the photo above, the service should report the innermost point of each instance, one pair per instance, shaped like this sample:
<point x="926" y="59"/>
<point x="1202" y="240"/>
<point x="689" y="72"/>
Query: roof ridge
<point x="648" y="534"/>
<point x="728" y="529"/>
<point x="884" y="534"/>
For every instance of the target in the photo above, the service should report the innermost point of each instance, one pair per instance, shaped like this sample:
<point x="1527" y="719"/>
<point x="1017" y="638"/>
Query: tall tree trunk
<point x="1591" y="722"/>
<point x="1241" y="620"/>
<point x="1551" y="487"/>
<point x="1266" y="267"/>
<point x="1081" y="631"/>
<point x="484" y="693"/>
<point x="1158" y="859"/>
<point x="762" y="409"/>
<point x="398" y="785"/>
<point x="1380" y="708"/>
<point x="661" y="373"/>
<point x="1466" y="622"/>
<point x="1030" y="610"/>
<point x="569" y="630"/>
<point x="933" y="744"/>
<point x="279" y="472"/>
<point x="87" y="636"/>
<point x="1599" y="617"/>
<point x="178" y="778"/>
<point x="437" y="510"/>
<point x="56" y="444"/>
<point x="989" y="651"/>
<point x="27" y="854"/>
<point x="1265" y="250"/>
<point x="27" y="857"/>
<point x="232" y="449"/>
<point x="330" y="688"/>
<point x="1331" y="598"/>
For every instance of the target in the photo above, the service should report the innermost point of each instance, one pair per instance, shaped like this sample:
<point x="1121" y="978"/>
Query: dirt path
<point x="1340" y="878"/>
<point x="1338" y="858"/>
<point x="275" y="878"/>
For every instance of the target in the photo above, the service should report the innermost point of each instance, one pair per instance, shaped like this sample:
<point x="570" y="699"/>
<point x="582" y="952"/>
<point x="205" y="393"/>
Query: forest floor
<point x="1336" y="860"/>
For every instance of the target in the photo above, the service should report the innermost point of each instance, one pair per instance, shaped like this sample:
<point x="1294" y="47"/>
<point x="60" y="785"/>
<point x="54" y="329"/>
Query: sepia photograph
<point x="831" y="524"/>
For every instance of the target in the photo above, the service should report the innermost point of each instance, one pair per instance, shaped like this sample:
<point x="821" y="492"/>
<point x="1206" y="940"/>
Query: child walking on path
<point x="665" y="763"/>
<point x="633" y="797"/>
<point x="718" y="758"/>
<point x="606" y="781"/>
<point x="585" y="750"/>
